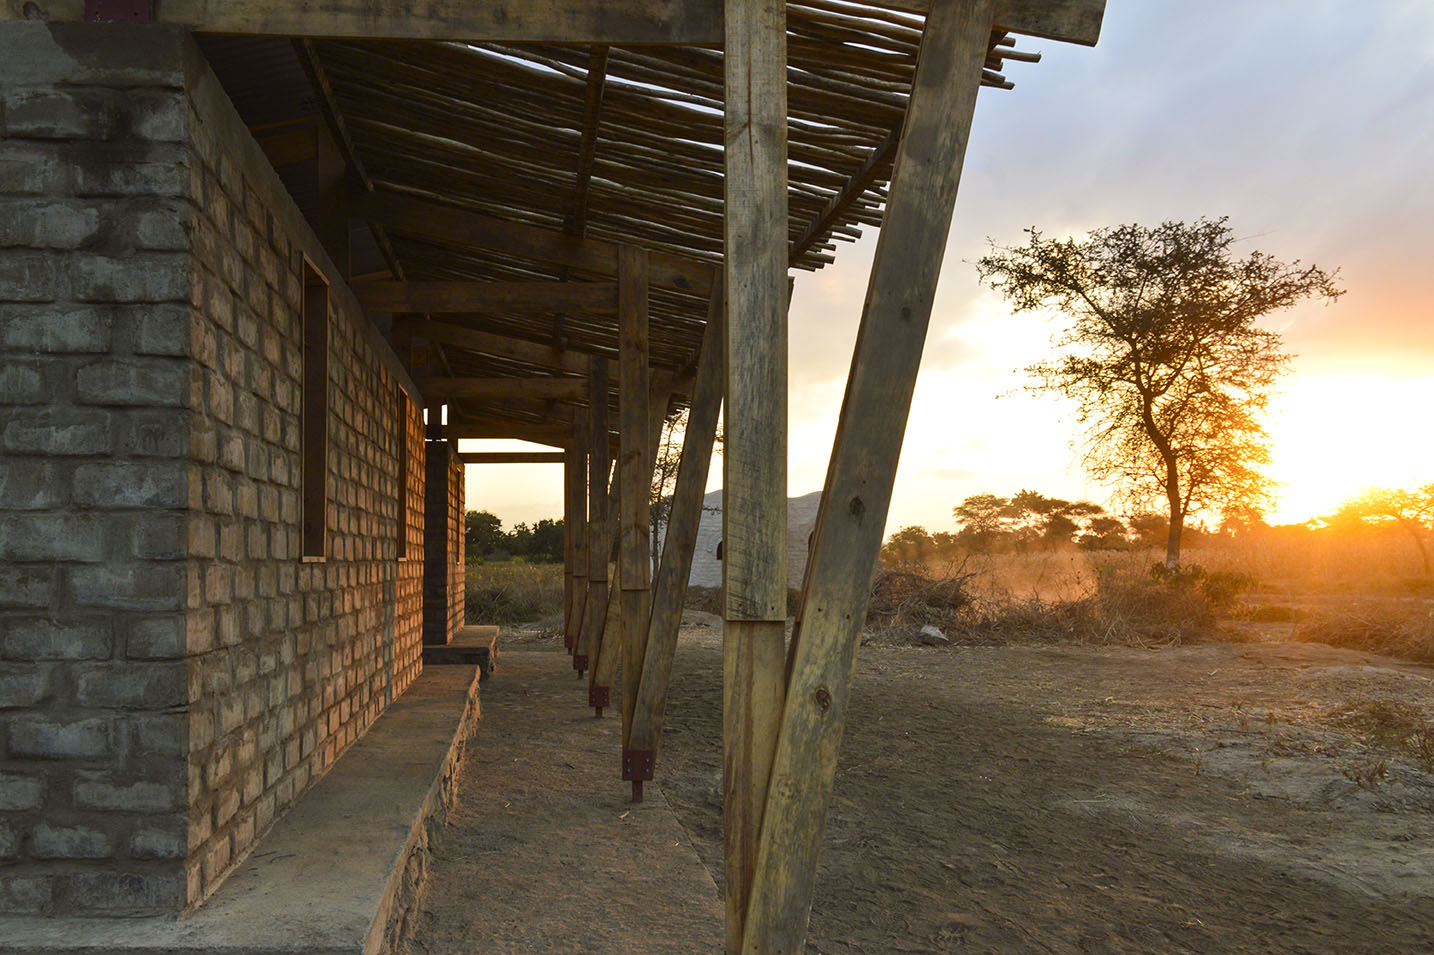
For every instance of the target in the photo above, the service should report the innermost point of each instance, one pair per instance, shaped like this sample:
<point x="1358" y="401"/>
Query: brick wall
<point x="172" y="673"/>
<point x="444" y="573"/>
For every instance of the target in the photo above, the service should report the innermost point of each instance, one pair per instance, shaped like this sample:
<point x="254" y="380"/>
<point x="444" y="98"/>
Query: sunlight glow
<point x="1334" y="436"/>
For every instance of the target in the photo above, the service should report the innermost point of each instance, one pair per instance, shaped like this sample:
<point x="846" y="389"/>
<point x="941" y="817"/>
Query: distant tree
<point x="546" y="543"/>
<point x="1049" y="521"/>
<point x="983" y="518"/>
<point x="1104" y="533"/>
<point x="1409" y="509"/>
<point x="1162" y="356"/>
<point x="910" y="546"/>
<point x="482" y="533"/>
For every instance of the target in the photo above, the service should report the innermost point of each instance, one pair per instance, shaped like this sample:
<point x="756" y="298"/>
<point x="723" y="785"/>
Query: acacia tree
<point x="1409" y="509"/>
<point x="1162" y="356"/>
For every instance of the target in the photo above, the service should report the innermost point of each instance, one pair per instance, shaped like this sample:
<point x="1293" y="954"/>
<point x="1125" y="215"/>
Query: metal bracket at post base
<point x="637" y="767"/>
<point x="599" y="697"/>
<point x="580" y="662"/>
<point x="568" y="642"/>
<point x="119" y="11"/>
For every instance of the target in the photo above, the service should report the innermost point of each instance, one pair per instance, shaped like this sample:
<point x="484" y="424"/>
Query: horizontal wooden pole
<point x="409" y="215"/>
<point x="696" y="22"/>
<point x="512" y="457"/>
<point x="571" y="389"/>
<point x="438" y="297"/>
<point x="499" y="346"/>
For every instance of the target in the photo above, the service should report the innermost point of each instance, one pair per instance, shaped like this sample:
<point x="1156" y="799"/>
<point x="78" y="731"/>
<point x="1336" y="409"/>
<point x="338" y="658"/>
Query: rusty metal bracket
<point x="637" y="767"/>
<point x="637" y="764"/>
<point x="119" y="11"/>
<point x="599" y="697"/>
<point x="580" y="662"/>
<point x="568" y="642"/>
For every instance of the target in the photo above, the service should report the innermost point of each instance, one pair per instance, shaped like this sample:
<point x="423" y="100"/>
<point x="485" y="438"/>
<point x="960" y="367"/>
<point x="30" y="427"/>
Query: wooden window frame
<point x="314" y="412"/>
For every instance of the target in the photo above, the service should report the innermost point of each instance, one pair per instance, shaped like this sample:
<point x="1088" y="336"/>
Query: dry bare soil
<point x="1265" y="797"/>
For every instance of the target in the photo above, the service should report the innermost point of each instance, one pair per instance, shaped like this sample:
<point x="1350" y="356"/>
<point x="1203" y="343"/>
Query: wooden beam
<point x="514" y="457"/>
<point x="754" y="512"/>
<point x="1068" y="21"/>
<point x="333" y="224"/>
<point x="670" y="588"/>
<point x="441" y="389"/>
<point x="689" y="22"/>
<point x="903" y="282"/>
<point x="837" y="205"/>
<point x="438" y="297"/>
<point x="437" y="222"/>
<point x="635" y="554"/>
<point x="289" y="144"/>
<point x="554" y="436"/>
<point x="587" y="146"/>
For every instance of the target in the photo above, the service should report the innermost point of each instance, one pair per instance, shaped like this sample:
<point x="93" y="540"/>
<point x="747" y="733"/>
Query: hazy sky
<point x="1310" y="123"/>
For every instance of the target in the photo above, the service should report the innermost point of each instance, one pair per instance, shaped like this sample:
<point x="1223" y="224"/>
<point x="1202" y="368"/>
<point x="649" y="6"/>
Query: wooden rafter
<point x="442" y="389"/>
<point x="450" y="297"/>
<point x="587" y="147"/>
<point x="424" y="219"/>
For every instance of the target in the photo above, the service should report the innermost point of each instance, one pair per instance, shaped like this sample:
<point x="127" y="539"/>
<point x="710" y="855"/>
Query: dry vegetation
<point x="515" y="592"/>
<point x="1364" y="592"/>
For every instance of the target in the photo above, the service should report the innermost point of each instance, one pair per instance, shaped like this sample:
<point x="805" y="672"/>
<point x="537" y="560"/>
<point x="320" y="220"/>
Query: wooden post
<point x="597" y="515"/>
<point x="575" y="512"/>
<point x="863" y="468"/>
<point x="634" y="555"/>
<point x="755" y="460"/>
<point x="670" y="588"/>
<point x="333" y="224"/>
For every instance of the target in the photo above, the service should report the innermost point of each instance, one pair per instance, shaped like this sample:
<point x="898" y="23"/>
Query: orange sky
<point x="1310" y="124"/>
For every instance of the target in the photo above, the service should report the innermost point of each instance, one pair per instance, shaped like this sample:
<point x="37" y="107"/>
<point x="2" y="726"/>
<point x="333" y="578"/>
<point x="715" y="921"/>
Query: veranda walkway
<point x="544" y="853"/>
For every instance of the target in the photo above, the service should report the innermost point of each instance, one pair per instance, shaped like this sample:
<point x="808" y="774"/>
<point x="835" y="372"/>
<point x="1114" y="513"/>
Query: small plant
<point x="1367" y="774"/>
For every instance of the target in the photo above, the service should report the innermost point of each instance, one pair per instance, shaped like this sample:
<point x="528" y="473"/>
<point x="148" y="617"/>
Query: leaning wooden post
<point x="607" y="651"/>
<point x="754" y="511"/>
<point x="863" y="467"/>
<point x="670" y="588"/>
<point x="597" y="514"/>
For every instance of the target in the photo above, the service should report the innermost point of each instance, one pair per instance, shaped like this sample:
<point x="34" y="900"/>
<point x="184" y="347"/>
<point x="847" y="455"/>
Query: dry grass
<point x="513" y="592"/>
<point x="1393" y="627"/>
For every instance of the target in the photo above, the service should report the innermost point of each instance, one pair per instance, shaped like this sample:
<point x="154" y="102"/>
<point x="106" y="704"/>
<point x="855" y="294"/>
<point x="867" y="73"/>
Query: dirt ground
<point x="1226" y="798"/>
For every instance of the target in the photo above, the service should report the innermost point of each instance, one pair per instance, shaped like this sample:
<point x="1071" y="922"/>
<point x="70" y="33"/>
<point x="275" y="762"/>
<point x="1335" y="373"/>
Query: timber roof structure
<point x="532" y="162"/>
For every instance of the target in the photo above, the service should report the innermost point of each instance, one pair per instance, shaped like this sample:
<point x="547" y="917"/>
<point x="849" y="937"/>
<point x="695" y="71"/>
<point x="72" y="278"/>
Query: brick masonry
<point x="444" y="577"/>
<point x="172" y="674"/>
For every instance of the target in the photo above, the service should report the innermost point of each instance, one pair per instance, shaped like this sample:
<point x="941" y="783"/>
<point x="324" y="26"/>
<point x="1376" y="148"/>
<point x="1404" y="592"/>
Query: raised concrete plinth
<point x="474" y="645"/>
<point x="339" y="873"/>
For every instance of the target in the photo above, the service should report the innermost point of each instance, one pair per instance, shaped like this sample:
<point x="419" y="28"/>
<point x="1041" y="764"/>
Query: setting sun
<point x="1334" y="436"/>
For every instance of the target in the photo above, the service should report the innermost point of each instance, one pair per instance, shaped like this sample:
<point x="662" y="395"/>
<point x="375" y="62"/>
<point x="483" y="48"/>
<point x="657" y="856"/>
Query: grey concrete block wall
<point x="172" y="674"/>
<point x="94" y="479"/>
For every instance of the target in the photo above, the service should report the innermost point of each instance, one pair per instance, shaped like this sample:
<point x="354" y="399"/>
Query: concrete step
<point x="475" y="645"/>
<point x="339" y="873"/>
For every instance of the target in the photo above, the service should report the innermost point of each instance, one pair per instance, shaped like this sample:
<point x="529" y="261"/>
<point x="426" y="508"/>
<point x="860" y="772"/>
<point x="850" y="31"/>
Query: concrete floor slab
<point x="544" y="853"/>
